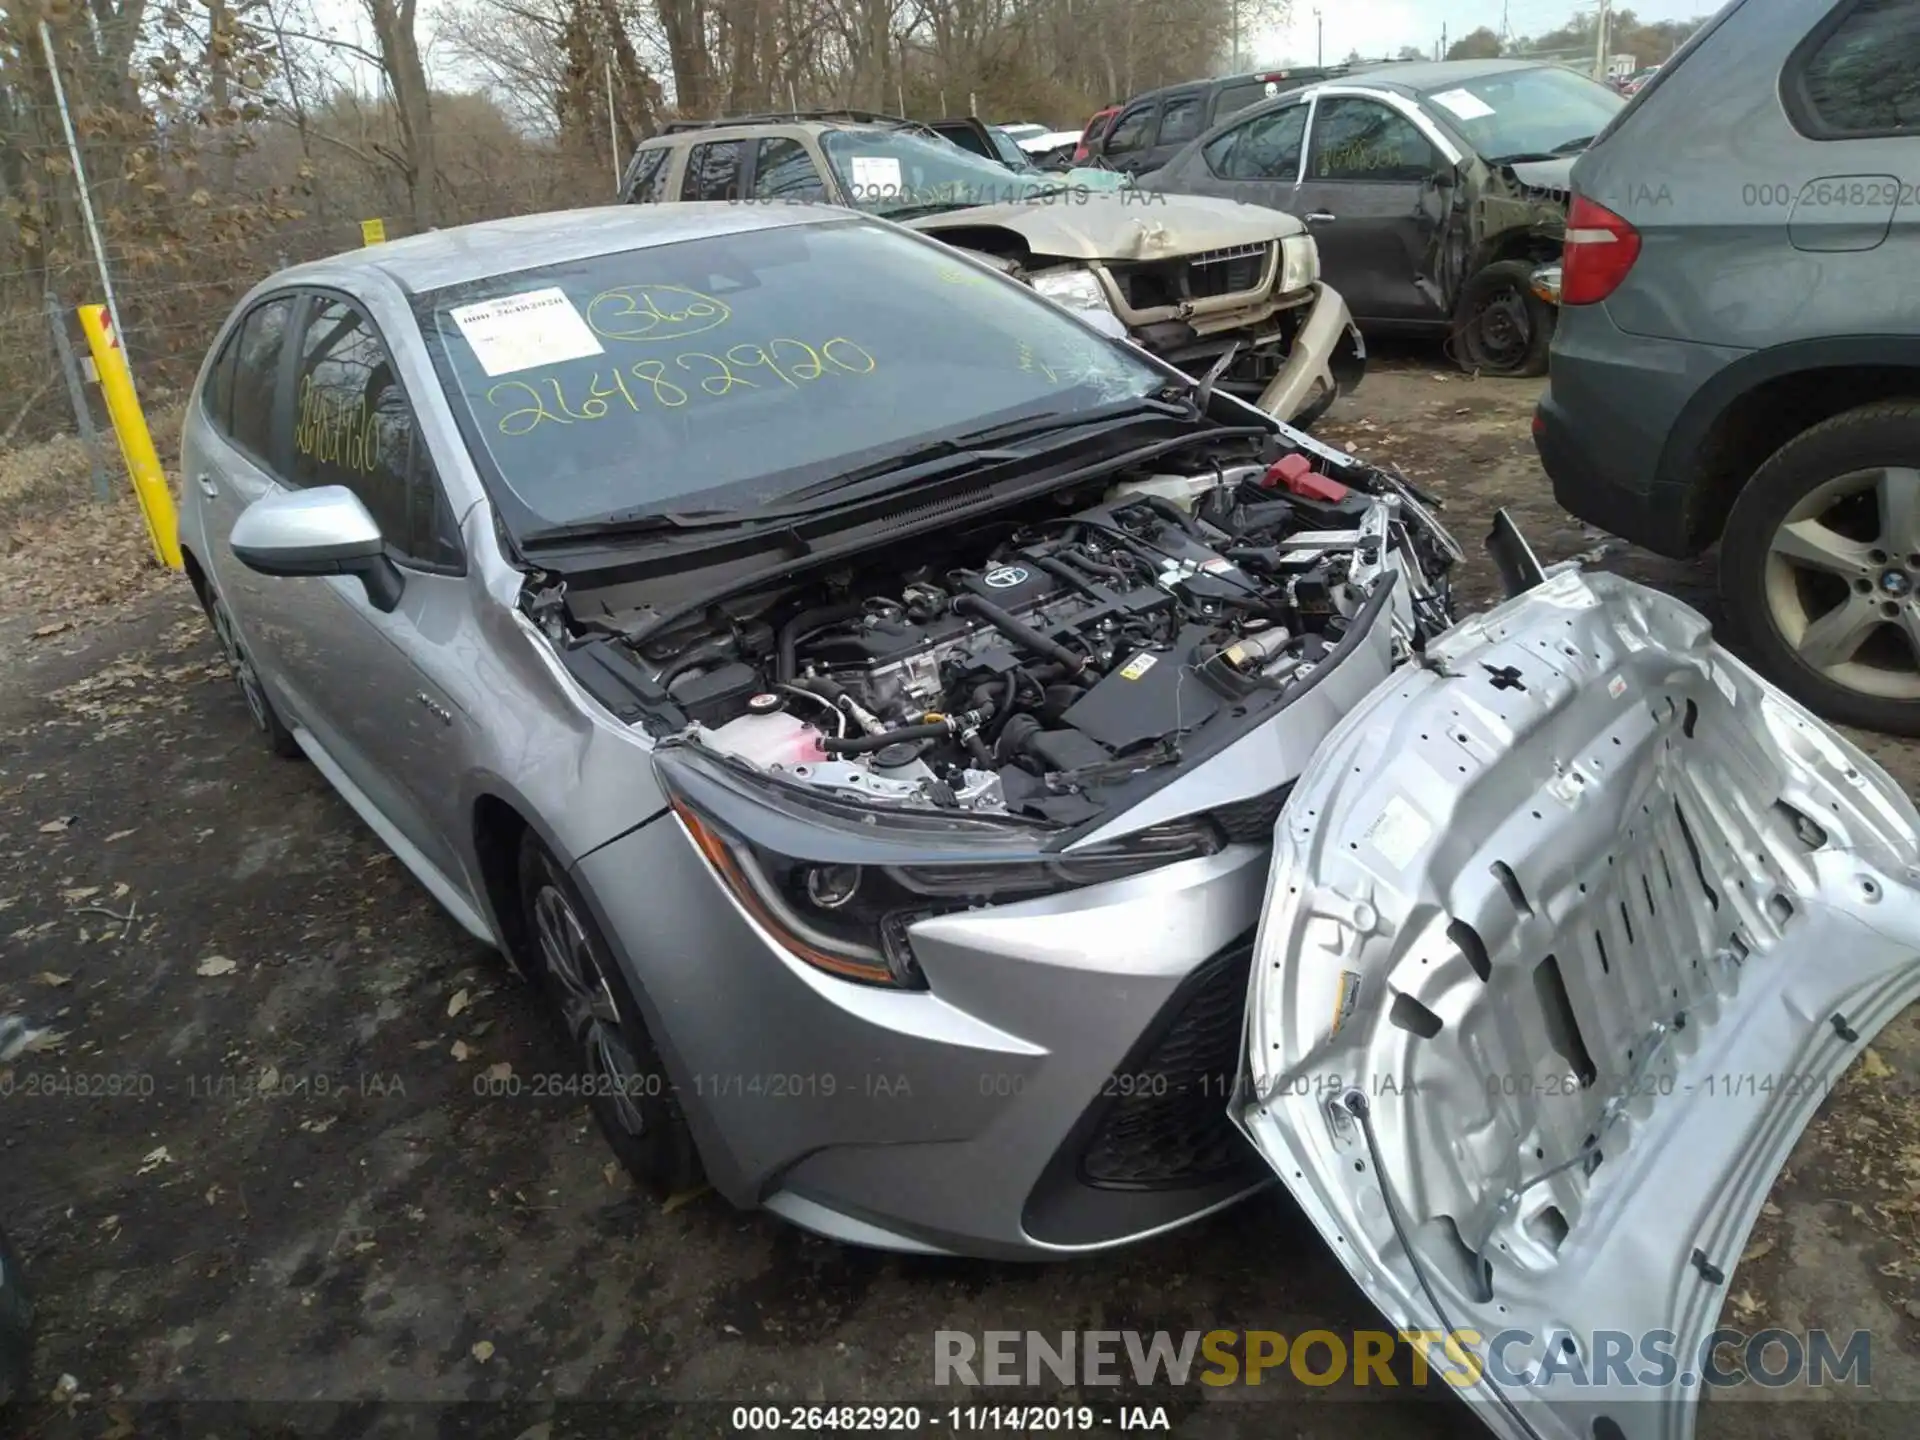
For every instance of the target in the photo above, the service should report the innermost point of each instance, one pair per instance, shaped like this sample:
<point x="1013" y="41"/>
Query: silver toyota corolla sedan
<point x="967" y="787"/>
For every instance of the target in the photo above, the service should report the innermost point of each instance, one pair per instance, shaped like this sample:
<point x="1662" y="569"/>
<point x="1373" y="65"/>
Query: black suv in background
<point x="1151" y="128"/>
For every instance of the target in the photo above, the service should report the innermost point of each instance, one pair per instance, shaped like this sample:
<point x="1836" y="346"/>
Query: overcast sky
<point x="1381" y="27"/>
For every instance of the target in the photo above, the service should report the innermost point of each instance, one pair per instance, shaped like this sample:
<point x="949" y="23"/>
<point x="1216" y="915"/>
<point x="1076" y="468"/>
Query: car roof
<point x="1420" y="76"/>
<point x="462" y="253"/>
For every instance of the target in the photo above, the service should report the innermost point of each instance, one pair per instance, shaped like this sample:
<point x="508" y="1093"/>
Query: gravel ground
<point x="267" y="1177"/>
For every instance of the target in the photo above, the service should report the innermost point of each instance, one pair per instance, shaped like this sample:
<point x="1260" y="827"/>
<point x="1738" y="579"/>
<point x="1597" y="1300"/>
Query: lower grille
<point x="1163" y="1122"/>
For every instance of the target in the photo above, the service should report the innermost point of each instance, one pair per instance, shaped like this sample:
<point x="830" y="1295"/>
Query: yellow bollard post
<point x="136" y="444"/>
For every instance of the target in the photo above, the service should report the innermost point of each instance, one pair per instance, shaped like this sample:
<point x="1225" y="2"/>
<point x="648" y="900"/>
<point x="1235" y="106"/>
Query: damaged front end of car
<point x="1190" y="280"/>
<point x="1569" y="930"/>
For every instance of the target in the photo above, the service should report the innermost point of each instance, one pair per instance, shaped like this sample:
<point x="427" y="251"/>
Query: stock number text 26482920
<point x="522" y="405"/>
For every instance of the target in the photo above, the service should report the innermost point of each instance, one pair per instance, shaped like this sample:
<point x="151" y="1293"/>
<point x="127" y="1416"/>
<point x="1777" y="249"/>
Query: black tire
<point x="1872" y="438"/>
<point x="16" y="1325"/>
<point x="624" y="1081"/>
<point x="1500" y="326"/>
<point x="253" y="694"/>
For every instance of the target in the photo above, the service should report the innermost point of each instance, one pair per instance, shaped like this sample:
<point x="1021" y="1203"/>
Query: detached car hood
<point x="1556" y="175"/>
<point x="1569" y="930"/>
<point x="1078" y="225"/>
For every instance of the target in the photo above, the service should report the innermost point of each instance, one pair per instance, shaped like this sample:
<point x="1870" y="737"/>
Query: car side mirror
<point x="1444" y="177"/>
<point x="322" y="531"/>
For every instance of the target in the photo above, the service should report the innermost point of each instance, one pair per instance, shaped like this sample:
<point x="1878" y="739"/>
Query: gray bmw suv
<point x="1738" y="354"/>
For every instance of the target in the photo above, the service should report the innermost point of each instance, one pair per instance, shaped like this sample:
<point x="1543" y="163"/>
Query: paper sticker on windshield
<point x="1464" y="103"/>
<point x="518" y="332"/>
<point x="875" y="176"/>
<point x="1399" y="832"/>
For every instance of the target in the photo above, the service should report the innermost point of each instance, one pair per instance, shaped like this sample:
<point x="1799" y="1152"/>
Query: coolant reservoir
<point x="779" y="738"/>
<point x="1183" y="490"/>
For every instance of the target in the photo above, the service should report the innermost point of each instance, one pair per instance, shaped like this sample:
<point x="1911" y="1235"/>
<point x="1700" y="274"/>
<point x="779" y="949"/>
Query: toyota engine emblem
<point x="1006" y="577"/>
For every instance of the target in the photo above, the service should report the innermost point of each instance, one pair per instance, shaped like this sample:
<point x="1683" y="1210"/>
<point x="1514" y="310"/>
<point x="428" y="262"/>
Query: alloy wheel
<point x="588" y="1008"/>
<point x="244" y="674"/>
<point x="1842" y="581"/>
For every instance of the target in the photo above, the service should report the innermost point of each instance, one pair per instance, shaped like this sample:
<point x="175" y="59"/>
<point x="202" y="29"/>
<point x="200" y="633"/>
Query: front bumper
<point x="993" y="1114"/>
<point x="1328" y="360"/>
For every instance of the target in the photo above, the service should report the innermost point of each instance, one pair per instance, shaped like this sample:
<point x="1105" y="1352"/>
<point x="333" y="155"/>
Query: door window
<point x="256" y="373"/>
<point x="1181" y="120"/>
<point x="649" y="182"/>
<point x="1266" y="147"/>
<point x="783" y="170"/>
<point x="1130" y="131"/>
<point x="1356" y="139"/>
<point x="713" y="171"/>
<point x="1864" y="77"/>
<point x="1238" y="97"/>
<point x="353" y="426"/>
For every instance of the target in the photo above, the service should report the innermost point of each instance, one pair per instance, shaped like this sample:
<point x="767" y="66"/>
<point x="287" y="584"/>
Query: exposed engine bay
<point x="1030" y="662"/>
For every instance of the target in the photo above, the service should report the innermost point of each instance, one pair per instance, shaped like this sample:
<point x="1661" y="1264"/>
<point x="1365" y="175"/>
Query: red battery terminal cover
<point x="1296" y="474"/>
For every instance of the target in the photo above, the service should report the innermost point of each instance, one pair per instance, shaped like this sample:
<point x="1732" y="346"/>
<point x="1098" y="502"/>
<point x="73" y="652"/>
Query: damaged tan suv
<point x="1201" y="283"/>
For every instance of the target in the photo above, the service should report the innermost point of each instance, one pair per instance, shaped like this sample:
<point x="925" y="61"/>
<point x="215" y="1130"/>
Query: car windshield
<point x="722" y="372"/>
<point x="1544" y="111"/>
<point x="1011" y="154"/>
<point x="897" y="173"/>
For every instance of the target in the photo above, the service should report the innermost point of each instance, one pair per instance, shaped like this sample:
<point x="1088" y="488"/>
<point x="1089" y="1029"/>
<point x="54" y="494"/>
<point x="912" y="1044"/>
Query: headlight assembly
<point x="845" y="904"/>
<point x="1299" y="263"/>
<point x="1073" y="289"/>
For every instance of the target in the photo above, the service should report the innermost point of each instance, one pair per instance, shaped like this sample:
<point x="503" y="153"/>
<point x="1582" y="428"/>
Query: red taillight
<point x="1599" y="250"/>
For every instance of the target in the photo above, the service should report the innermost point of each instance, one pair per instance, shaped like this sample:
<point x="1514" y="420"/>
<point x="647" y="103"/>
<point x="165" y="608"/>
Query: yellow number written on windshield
<point x="740" y="367"/>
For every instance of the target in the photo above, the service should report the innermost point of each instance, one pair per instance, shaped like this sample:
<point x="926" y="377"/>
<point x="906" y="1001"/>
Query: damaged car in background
<point x="1197" y="282"/>
<point x="1438" y="193"/>
<point x="1041" y="772"/>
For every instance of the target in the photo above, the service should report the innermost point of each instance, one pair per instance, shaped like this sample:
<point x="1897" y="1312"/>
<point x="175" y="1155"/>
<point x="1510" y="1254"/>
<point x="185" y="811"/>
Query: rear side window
<point x="256" y="371"/>
<point x="782" y="170"/>
<point x="1264" y="148"/>
<point x="353" y="426"/>
<point x="1183" y="119"/>
<point x="1861" y="75"/>
<point x="649" y="180"/>
<point x="1130" y="130"/>
<point x="713" y="171"/>
<point x="1237" y="97"/>
<point x="216" y="396"/>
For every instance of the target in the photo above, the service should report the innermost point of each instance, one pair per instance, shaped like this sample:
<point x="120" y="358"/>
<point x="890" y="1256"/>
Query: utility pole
<point x="1600" y="42"/>
<point x="1443" y="42"/>
<point x="613" y="133"/>
<point x="1233" y="66"/>
<point x="1505" y="33"/>
<point x="1319" y="40"/>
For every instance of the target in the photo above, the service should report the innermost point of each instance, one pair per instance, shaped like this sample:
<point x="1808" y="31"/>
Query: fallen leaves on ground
<point x="215" y="965"/>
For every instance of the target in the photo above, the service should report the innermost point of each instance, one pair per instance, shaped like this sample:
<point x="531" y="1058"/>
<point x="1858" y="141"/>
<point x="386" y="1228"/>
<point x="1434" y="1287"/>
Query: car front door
<point x="1127" y="141"/>
<point x="387" y="695"/>
<point x="1367" y="194"/>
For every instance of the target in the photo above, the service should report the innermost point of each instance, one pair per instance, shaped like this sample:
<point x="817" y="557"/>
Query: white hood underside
<point x="1593" y="920"/>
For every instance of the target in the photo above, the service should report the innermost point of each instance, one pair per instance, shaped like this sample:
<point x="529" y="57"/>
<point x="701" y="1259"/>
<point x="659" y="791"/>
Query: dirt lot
<point x="267" y="1176"/>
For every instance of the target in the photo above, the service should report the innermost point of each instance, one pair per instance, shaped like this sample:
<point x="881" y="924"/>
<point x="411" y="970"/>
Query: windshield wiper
<point x="971" y="447"/>
<point x="1523" y="157"/>
<point x="625" y="524"/>
<point x="1572" y="145"/>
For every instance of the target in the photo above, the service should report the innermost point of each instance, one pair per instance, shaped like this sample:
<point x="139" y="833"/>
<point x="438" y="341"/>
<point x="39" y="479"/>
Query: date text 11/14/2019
<point x="915" y="1419"/>
<point x="1722" y="1084"/>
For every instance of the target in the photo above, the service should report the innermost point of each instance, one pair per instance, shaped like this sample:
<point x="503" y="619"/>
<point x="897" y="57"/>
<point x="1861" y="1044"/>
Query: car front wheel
<point x="1820" y="567"/>
<point x="1500" y="326"/>
<point x="622" y="1077"/>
